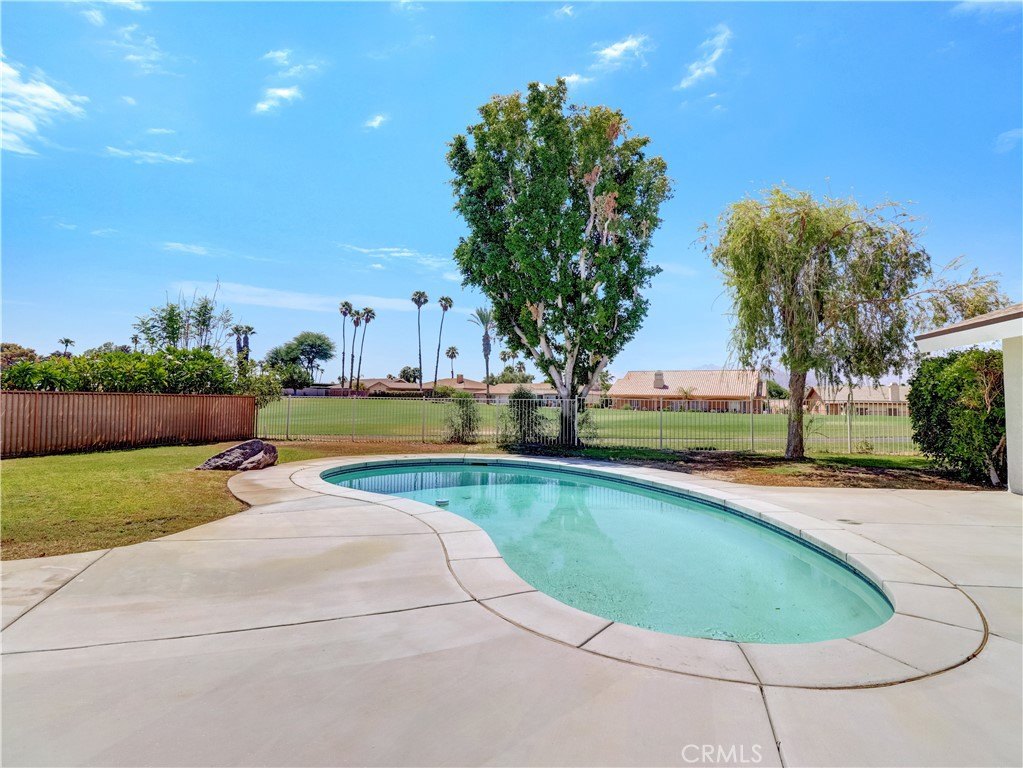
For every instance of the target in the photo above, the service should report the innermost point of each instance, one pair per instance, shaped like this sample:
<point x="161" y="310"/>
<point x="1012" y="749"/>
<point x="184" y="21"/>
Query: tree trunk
<point x="419" y="334"/>
<point x="568" y="433"/>
<point x="344" y="348"/>
<point x="436" y="364"/>
<point x="797" y="392"/>
<point x="358" y="375"/>
<point x="486" y="361"/>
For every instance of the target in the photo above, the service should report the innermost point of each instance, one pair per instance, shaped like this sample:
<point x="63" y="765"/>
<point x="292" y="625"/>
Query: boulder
<point x="252" y="454"/>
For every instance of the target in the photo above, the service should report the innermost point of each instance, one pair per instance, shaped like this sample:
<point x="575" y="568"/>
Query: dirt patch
<point x="912" y="473"/>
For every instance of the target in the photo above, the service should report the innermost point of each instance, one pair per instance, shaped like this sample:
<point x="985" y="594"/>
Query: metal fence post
<point x="287" y="421"/>
<point x="660" y="403"/>
<point x="752" y="440"/>
<point x="355" y="404"/>
<point x="848" y="427"/>
<point x="422" y="437"/>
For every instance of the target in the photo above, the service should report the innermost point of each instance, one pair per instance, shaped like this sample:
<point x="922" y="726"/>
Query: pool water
<point x="645" y="557"/>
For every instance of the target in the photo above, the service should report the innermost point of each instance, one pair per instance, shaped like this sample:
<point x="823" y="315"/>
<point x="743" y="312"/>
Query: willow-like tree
<point x="832" y="287"/>
<point x="561" y="203"/>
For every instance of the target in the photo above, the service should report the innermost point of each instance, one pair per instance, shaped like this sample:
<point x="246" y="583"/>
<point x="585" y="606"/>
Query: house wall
<point x="703" y="404"/>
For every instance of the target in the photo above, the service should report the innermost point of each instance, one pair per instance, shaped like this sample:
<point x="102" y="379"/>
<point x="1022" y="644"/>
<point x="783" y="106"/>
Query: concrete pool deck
<point x="334" y="627"/>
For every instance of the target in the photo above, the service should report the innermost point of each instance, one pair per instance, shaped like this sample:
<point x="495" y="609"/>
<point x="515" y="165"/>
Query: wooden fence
<point x="42" y="423"/>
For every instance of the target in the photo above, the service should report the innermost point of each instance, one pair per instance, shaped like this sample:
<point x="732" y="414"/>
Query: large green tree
<point x="561" y="203"/>
<point x="306" y="349"/>
<point x="832" y="287"/>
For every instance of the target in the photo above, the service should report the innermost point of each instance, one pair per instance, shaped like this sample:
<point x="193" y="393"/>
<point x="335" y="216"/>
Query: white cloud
<point x="239" y="293"/>
<point x="1007" y="141"/>
<point x="984" y="7"/>
<point x="141" y="157"/>
<point x="377" y="266"/>
<point x="713" y="49"/>
<point x="95" y="17"/>
<point x="455" y="277"/>
<point x="408" y="6"/>
<point x="389" y="254"/>
<point x="565" y="10"/>
<point x="141" y="50"/>
<point x="574" y="79"/>
<point x="285" y="68"/>
<point x="615" y="55"/>
<point x="62" y="225"/>
<point x="375" y="122"/>
<point x="160" y="131"/>
<point x="281" y="57"/>
<point x="274" y="97"/>
<point x="130" y="5"/>
<point x="107" y="232"/>
<point x="196" y="250"/>
<point x="129" y="101"/>
<point x="254" y="295"/>
<point x="27" y="104"/>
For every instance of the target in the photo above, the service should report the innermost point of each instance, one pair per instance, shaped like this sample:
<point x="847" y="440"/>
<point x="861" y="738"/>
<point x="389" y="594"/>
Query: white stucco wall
<point x="1012" y="361"/>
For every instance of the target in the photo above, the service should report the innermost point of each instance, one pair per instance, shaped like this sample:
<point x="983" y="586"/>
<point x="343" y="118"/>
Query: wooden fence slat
<point x="43" y="423"/>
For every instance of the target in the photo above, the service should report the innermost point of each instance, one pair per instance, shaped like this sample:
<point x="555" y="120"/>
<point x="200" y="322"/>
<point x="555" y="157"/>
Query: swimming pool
<point x="643" y="556"/>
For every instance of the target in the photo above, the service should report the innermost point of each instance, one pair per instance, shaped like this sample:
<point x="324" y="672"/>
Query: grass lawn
<point x="335" y="417"/>
<point x="56" y="505"/>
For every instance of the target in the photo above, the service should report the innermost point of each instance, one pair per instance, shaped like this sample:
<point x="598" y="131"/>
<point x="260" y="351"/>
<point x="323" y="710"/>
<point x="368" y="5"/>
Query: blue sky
<point x="295" y="152"/>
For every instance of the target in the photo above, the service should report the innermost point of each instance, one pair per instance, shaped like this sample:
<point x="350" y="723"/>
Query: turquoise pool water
<point x="645" y="557"/>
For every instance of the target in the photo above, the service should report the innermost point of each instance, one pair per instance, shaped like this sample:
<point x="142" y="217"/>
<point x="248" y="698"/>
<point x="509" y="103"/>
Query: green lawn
<point x="339" y="418"/>
<point x="54" y="505"/>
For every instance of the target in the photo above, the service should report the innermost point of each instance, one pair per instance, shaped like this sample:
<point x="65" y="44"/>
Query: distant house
<point x="887" y="400"/>
<point x="460" y="384"/>
<point x="500" y="393"/>
<point x="733" y="391"/>
<point x="375" y="387"/>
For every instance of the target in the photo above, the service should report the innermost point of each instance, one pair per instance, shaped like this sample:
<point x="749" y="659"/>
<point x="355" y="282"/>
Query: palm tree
<point x="247" y="330"/>
<point x="419" y="298"/>
<point x="451" y="354"/>
<point x="238" y="331"/>
<point x="67" y="343"/>
<point x="368" y="316"/>
<point x="345" y="308"/>
<point x="445" y="303"/>
<point x="520" y="367"/>
<point x="505" y="356"/>
<point x="484" y="318"/>
<point x="135" y="339"/>
<point x="356" y="322"/>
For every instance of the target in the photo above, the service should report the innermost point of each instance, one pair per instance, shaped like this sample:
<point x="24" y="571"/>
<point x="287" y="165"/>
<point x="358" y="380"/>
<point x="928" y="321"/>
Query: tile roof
<point x="861" y="394"/>
<point x="538" y="387"/>
<point x="396" y="384"/>
<point x="702" y="385"/>
<point x="466" y="385"/>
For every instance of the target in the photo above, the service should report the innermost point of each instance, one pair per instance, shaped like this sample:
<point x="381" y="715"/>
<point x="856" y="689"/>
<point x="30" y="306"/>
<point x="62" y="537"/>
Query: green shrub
<point x="957" y="409"/>
<point x="169" y="371"/>
<point x="523" y="421"/>
<point x="463" y="418"/>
